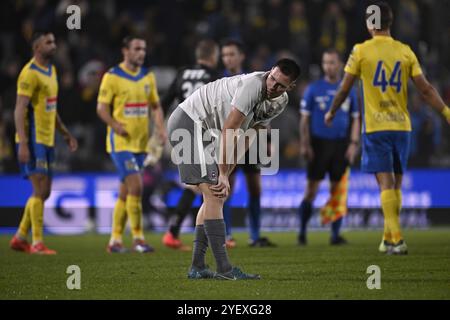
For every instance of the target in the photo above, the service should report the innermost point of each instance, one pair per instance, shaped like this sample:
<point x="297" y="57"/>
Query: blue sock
<point x="254" y="217"/>
<point x="227" y="217"/>
<point x="335" y="228"/>
<point x="305" y="212"/>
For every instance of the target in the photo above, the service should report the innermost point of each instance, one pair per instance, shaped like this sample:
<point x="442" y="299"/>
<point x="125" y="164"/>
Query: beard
<point x="50" y="54"/>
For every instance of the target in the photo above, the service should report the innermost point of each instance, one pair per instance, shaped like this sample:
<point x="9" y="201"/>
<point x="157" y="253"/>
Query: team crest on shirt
<point x="147" y="89"/>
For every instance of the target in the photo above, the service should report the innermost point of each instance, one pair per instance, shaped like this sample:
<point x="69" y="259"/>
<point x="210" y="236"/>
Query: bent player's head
<point x="282" y="77"/>
<point x="134" y="50"/>
<point x="233" y="55"/>
<point x="385" y="20"/>
<point x="331" y="63"/>
<point x="207" y="52"/>
<point x="43" y="44"/>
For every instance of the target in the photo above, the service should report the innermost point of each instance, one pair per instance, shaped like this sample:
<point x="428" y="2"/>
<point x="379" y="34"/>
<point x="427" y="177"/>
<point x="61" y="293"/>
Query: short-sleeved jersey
<point x="384" y="66"/>
<point x="317" y="101"/>
<point x="188" y="80"/>
<point x="212" y="103"/>
<point x="39" y="83"/>
<point x="130" y="95"/>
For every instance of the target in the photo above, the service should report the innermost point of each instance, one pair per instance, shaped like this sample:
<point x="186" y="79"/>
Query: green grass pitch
<point x="317" y="271"/>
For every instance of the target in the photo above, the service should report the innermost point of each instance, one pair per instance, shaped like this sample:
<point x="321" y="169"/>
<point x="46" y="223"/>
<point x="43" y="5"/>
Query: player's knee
<point x="135" y="190"/>
<point x="42" y="194"/>
<point x="134" y="186"/>
<point x="210" y="198"/>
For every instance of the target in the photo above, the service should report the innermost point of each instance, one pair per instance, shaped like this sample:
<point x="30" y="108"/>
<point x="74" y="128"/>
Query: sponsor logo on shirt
<point x="50" y="104"/>
<point x="136" y="110"/>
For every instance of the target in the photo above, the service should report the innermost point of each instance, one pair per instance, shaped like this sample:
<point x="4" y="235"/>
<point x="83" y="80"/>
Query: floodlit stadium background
<point x="86" y="185"/>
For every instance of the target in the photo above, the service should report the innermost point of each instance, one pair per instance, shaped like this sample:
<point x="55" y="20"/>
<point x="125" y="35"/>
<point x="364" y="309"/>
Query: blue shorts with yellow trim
<point x="128" y="162"/>
<point x="42" y="159"/>
<point x="385" y="151"/>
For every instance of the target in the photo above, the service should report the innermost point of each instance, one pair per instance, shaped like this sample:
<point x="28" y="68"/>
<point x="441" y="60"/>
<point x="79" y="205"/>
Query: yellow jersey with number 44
<point x="384" y="66"/>
<point x="130" y="95"/>
<point x="39" y="83"/>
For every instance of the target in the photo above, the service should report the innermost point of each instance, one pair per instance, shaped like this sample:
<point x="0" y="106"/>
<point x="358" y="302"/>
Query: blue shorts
<point x="385" y="151"/>
<point x="42" y="160"/>
<point x="128" y="162"/>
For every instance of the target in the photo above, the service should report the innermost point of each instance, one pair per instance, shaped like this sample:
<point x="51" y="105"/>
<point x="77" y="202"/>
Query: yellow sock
<point x="389" y="204"/>
<point x="134" y="210"/>
<point x="37" y="218"/>
<point x="387" y="232"/>
<point x="25" y="223"/>
<point x="119" y="221"/>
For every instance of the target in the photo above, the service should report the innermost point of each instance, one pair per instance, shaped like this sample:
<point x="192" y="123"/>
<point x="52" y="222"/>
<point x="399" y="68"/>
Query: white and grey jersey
<point x="212" y="103"/>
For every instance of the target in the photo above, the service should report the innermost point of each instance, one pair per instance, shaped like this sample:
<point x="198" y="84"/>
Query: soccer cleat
<point x="302" y="240"/>
<point x="262" y="242"/>
<point x="236" y="274"/>
<point x="116" y="247"/>
<point x="384" y="246"/>
<point x="195" y="273"/>
<point x="338" y="241"/>
<point x="19" y="244"/>
<point x="230" y="243"/>
<point x="40" y="248"/>
<point x="398" y="249"/>
<point x="169" y="240"/>
<point x="141" y="246"/>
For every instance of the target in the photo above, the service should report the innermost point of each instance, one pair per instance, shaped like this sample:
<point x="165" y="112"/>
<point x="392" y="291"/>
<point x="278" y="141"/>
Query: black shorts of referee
<point x="329" y="157"/>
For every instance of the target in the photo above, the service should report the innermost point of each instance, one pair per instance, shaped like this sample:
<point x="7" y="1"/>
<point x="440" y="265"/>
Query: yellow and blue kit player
<point x="384" y="66"/>
<point x="132" y="92"/>
<point x="36" y="119"/>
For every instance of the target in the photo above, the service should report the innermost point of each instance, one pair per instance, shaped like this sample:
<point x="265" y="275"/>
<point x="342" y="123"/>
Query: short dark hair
<point x="205" y="49"/>
<point x="233" y="42"/>
<point x="37" y="34"/>
<point x="332" y="51"/>
<point x="127" y="40"/>
<point x="387" y="16"/>
<point x="289" y="68"/>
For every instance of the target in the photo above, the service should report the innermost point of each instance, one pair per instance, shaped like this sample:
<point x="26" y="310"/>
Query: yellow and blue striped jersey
<point x="130" y="95"/>
<point x="39" y="83"/>
<point x="384" y="66"/>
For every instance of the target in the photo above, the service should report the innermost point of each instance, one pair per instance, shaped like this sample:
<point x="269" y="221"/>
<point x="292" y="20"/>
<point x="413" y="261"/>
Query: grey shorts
<point x="193" y="156"/>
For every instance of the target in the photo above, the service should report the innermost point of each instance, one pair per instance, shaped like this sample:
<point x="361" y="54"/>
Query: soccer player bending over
<point x="36" y="119"/>
<point x="130" y="89"/>
<point x="384" y="66"/>
<point x="239" y="102"/>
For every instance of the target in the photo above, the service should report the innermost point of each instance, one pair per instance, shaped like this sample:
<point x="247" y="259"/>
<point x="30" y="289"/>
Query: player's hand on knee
<point x="23" y="153"/>
<point x="222" y="188"/>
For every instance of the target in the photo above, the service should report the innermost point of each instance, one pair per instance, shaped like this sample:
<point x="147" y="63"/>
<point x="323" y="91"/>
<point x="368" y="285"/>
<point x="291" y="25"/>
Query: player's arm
<point x="353" y="147"/>
<point x="431" y="96"/>
<point x="159" y="121"/>
<point x="104" y="113"/>
<point x="305" y="138"/>
<point x="20" y="111"/>
<point x="156" y="108"/>
<point x="228" y="142"/>
<point x="68" y="137"/>
<point x="339" y="98"/>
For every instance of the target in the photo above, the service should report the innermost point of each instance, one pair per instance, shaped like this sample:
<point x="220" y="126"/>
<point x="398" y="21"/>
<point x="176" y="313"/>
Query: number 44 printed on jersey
<point x="380" y="79"/>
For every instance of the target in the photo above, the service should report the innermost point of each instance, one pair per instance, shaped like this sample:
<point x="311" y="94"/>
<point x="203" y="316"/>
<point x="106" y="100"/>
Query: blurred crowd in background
<point x="269" y="29"/>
